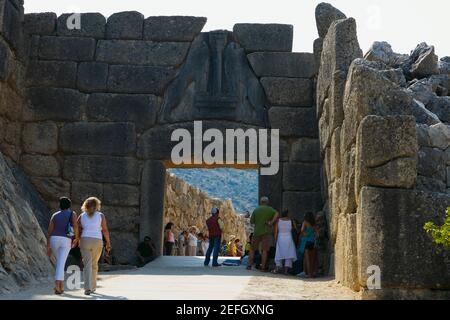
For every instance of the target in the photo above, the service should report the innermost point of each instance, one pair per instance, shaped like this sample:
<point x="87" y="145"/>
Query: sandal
<point x="275" y="271"/>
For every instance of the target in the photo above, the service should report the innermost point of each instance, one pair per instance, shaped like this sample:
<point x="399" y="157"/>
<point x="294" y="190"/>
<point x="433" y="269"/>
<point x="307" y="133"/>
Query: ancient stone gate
<point x="100" y="104"/>
<point x="91" y="111"/>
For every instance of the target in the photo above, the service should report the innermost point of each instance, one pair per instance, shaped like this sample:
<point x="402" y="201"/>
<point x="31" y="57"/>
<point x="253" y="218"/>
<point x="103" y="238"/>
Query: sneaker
<point x="302" y="275"/>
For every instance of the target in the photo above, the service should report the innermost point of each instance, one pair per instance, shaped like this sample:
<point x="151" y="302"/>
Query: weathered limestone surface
<point x="326" y="14"/>
<point x="272" y="187"/>
<point x="205" y="89"/>
<point x="141" y="52"/>
<point x="293" y="121"/>
<point x="23" y="260"/>
<point x="53" y="104"/>
<point x="386" y="153"/>
<point x="382" y="52"/>
<point x="152" y="207"/>
<point x="11" y="24"/>
<point x="92" y="25"/>
<point x="81" y="190"/>
<point x="52" y="74"/>
<point x="92" y="76"/>
<point x="298" y="203"/>
<point x="383" y="145"/>
<point x="101" y="169"/>
<point x="283" y="64"/>
<point x="410" y="257"/>
<point x="288" y="92"/>
<point x="305" y="150"/>
<point x="335" y="61"/>
<point x="98" y="139"/>
<point x="424" y="61"/>
<point x="43" y="24"/>
<point x="12" y="73"/>
<point x="40" y="137"/>
<point x="50" y="188"/>
<point x="125" y="25"/>
<point x="188" y="206"/>
<point x="139" y="79"/>
<point x="66" y="48"/>
<point x="136" y="108"/>
<point x="40" y="166"/>
<point x="175" y="28"/>
<point x="301" y="177"/>
<point x="121" y="195"/>
<point x="264" y="37"/>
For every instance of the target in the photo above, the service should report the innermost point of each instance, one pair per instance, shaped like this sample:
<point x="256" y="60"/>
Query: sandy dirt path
<point x="181" y="278"/>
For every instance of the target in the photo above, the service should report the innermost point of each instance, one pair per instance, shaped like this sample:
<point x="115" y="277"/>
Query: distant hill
<point x="241" y="186"/>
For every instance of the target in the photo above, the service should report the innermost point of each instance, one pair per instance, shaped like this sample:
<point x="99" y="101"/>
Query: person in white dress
<point x="285" y="246"/>
<point x="192" y="242"/>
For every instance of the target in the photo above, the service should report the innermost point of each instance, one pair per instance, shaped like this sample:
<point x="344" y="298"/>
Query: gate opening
<point x="191" y="193"/>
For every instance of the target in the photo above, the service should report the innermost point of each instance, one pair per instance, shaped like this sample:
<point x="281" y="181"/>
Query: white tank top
<point x="284" y="227"/>
<point x="92" y="226"/>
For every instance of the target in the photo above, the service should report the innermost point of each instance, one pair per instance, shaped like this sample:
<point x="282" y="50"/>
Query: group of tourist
<point x="191" y="242"/>
<point x="89" y="231"/>
<point x="232" y="248"/>
<point x="279" y="243"/>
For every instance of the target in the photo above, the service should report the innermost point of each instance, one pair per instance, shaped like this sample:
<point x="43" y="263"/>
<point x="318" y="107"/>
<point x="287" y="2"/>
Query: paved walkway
<point x="181" y="278"/>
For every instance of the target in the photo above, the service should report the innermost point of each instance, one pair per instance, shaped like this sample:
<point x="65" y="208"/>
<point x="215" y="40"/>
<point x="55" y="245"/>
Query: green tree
<point x="440" y="234"/>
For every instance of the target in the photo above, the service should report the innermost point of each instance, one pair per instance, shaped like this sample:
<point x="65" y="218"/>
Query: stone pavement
<point x="181" y="278"/>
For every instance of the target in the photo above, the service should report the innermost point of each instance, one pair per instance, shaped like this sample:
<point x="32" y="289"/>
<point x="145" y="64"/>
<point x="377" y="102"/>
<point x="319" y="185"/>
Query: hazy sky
<point x="402" y="23"/>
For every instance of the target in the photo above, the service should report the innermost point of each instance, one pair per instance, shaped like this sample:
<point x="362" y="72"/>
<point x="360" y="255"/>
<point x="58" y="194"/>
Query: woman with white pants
<point x="59" y="239"/>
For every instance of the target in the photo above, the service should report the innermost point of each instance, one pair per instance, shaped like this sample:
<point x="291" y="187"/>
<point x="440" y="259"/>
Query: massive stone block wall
<point x="91" y="93"/>
<point x="101" y="103"/>
<point x="288" y="80"/>
<point x="90" y="112"/>
<point x="12" y="69"/>
<point x="22" y="243"/>
<point x="383" y="146"/>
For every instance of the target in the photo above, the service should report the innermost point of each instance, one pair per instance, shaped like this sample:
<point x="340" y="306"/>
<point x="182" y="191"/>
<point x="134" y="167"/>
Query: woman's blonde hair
<point x="193" y="229"/>
<point x="91" y="201"/>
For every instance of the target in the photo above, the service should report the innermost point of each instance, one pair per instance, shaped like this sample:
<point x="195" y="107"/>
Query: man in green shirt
<point x="263" y="217"/>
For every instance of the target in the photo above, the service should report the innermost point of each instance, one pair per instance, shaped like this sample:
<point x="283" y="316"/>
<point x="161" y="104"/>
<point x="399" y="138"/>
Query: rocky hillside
<point x="241" y="186"/>
<point x="23" y="257"/>
<point x="186" y="205"/>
